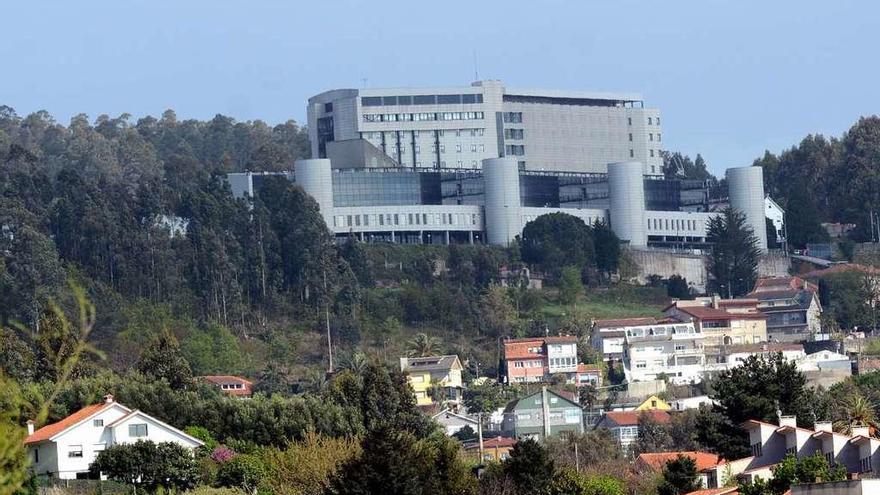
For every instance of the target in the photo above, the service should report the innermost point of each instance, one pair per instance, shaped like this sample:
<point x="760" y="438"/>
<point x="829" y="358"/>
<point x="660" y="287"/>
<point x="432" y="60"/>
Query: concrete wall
<point x="849" y="487"/>
<point x="690" y="266"/>
<point x="774" y="264"/>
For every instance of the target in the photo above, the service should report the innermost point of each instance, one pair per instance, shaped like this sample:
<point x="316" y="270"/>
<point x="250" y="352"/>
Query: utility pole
<point x="545" y="406"/>
<point x="577" y="459"/>
<point x="480" y="433"/>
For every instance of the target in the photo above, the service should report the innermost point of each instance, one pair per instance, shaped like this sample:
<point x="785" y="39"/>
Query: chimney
<point x="108" y="399"/>
<point x="30" y="426"/>
<point x="861" y="431"/>
<point x="715" y="301"/>
<point x="823" y="426"/>
<point x="788" y="421"/>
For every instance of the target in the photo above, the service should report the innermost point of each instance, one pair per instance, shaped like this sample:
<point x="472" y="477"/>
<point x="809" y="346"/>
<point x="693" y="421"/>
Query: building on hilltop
<point x="542" y="414"/>
<point x="434" y="373"/>
<point x="722" y="321"/>
<point x="792" y="307"/>
<point x="65" y="449"/>
<point x="235" y="386"/>
<point x="459" y="127"/>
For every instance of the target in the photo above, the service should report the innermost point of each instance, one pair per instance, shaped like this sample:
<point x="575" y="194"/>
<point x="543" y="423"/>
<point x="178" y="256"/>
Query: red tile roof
<point x="562" y="339"/>
<point x="783" y="283"/>
<point x="50" y="430"/>
<point x="219" y="380"/>
<point x="624" y="322"/>
<point x="657" y="461"/>
<point x="586" y="368"/>
<point x="703" y="313"/>
<point x="732" y="490"/>
<point x="631" y="418"/>
<point x="497" y="442"/>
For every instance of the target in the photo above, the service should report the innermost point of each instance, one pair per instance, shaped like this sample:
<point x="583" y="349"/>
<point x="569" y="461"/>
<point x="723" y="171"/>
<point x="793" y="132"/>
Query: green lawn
<point x="611" y="303"/>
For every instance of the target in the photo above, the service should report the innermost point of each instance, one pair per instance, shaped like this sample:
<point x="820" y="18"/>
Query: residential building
<point x="589" y="374"/>
<point x="847" y="487"/>
<point x="538" y="359"/>
<point x="670" y="350"/>
<point x="542" y="414"/>
<point x="440" y="373"/>
<point x="792" y="307"/>
<point x="653" y="403"/>
<point x="656" y="462"/>
<point x="691" y="403"/>
<point x="608" y="336"/>
<point x="65" y="449"/>
<point x="624" y="425"/>
<point x="776" y="215"/>
<point x="735" y="355"/>
<point x="722" y="321"/>
<point x="460" y="126"/>
<point x="494" y="449"/>
<point x="491" y="203"/>
<point x="231" y="385"/>
<point x="453" y="422"/>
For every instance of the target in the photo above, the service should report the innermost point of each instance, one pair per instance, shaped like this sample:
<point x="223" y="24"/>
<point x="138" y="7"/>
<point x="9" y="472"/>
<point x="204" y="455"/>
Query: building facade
<point x="442" y="373"/>
<point x="539" y="359"/>
<point x="459" y="127"/>
<point x="792" y="307"/>
<point x="542" y="414"/>
<point x="670" y="350"/>
<point x="722" y="321"/>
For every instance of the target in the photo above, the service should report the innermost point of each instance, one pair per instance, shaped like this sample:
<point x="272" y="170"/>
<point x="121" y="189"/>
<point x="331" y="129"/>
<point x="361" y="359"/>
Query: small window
<point x="137" y="430"/>
<point x="75" y="451"/>
<point x="328" y="107"/>
<point x="650" y="121"/>
<point x="98" y="423"/>
<point x="632" y="153"/>
<point x="36" y="455"/>
<point x="629" y="121"/>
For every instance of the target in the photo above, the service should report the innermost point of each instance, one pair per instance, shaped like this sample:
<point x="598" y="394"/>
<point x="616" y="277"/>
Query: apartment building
<point x="538" y="359"/>
<point x="670" y="350"/>
<point x="459" y="126"/>
<point x="609" y="336"/>
<point x="722" y="321"/>
<point x="792" y="307"/>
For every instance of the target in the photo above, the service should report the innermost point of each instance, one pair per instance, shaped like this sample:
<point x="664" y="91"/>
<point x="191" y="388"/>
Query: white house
<point x="672" y="350"/>
<point x="65" y="449"/>
<point x="775" y="214"/>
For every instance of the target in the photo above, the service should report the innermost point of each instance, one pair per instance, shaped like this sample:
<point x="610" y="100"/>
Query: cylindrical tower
<point x="745" y="187"/>
<point x="503" y="207"/>
<point x="316" y="178"/>
<point x="626" y="191"/>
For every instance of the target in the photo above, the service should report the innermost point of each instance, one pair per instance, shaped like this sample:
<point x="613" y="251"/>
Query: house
<point x="231" y="385"/>
<point x="608" y="336"/>
<point x="538" y="359"/>
<point x="656" y="462"/>
<point x="542" y="414"/>
<point x="589" y="374"/>
<point x="624" y="425"/>
<point x="65" y="449"/>
<point x="722" y="321"/>
<point x="426" y="373"/>
<point x="494" y="449"/>
<point x="670" y="350"/>
<point x="653" y="403"/>
<point x="792" y="307"/>
<point x="735" y="355"/>
<point x="691" y="403"/>
<point x="726" y="490"/>
<point x="453" y="422"/>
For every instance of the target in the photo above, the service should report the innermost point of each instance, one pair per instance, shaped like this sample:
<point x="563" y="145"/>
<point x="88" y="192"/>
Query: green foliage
<point x="557" y="240"/>
<point x="570" y="482"/>
<point x="607" y="247"/>
<point x="680" y="476"/>
<point x="148" y="465"/>
<point x="570" y="285"/>
<point x="243" y="471"/>
<point x="202" y="434"/>
<point x="733" y="261"/>
<point x="791" y="471"/>
<point x="679" y="166"/>
<point x="677" y="288"/>
<point x="847" y="297"/>
<point x="530" y="467"/>
<point x="802" y="216"/>
<point x="163" y="360"/>
<point x="485" y="397"/>
<point x="307" y="467"/>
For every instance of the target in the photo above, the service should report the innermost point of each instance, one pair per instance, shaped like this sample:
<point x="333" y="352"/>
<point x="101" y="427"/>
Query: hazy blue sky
<point x="731" y="78"/>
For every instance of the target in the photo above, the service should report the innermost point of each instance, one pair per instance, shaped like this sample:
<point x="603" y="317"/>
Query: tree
<point x="149" y="465"/>
<point x="802" y="216"/>
<point x="858" y="411"/>
<point x="423" y="345"/>
<point x="242" y="471"/>
<point x="607" y="247"/>
<point x="812" y="469"/>
<point x="653" y="435"/>
<point x="570" y="285"/>
<point x="485" y="397"/>
<point x="307" y="467"/>
<point x="679" y="477"/>
<point x="163" y="360"/>
<point x="555" y="240"/>
<point x="570" y="482"/>
<point x="733" y="261"/>
<point x="677" y="288"/>
<point x="530" y="467"/>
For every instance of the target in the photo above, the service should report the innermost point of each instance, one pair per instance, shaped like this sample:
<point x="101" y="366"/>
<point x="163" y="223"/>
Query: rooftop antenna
<point x="476" y="72"/>
<point x="363" y="82"/>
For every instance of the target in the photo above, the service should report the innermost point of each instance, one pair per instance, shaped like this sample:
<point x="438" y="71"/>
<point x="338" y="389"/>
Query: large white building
<point x="673" y="350"/>
<point x="458" y="127"/>
<point x="66" y="449"/>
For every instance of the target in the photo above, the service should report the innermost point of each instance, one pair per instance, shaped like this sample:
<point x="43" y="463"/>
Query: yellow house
<point x="442" y="374"/>
<point x="654" y="403"/>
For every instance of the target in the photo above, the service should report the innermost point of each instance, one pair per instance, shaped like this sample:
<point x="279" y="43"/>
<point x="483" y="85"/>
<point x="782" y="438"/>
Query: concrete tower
<point x="626" y="191"/>
<point x="746" y="192"/>
<point x="503" y="206"/>
<point x="316" y="178"/>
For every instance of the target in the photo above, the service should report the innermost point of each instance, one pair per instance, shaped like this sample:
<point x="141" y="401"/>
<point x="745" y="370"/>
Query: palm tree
<point x="422" y="345"/>
<point x="858" y="411"/>
<point x="356" y="362"/>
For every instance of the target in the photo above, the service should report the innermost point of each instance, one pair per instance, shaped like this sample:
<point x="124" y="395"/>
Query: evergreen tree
<point x="530" y="467"/>
<point x="163" y="360"/>
<point x="733" y="262"/>
<point x="802" y="217"/>
<point x="679" y="477"/>
<point x="607" y="247"/>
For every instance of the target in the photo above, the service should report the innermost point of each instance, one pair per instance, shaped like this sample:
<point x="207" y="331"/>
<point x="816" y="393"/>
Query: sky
<point x="731" y="78"/>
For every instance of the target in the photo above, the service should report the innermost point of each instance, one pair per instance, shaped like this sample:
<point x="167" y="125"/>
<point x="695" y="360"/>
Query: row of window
<point x="528" y="364"/>
<point x="512" y="117"/>
<point x="663" y="330"/>
<point x="514" y="150"/>
<point x="674" y="224"/>
<point x="513" y="133"/>
<point x="419" y="117"/>
<point x="232" y="386"/>
<point x="563" y="361"/>
<point x="651" y="121"/>
<point x="393" y="219"/>
<point x="651" y="153"/>
<point x="650" y="137"/>
<point x="377" y="101"/>
<point x="440" y="133"/>
<point x="657" y="363"/>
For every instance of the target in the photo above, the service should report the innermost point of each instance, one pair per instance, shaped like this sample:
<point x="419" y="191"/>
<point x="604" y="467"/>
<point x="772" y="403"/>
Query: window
<point x="829" y="456"/>
<point x="448" y="99"/>
<point x="629" y="121"/>
<point x="650" y="121"/>
<point x="650" y="136"/>
<point x="36" y="455"/>
<point x="631" y="153"/>
<point x="630" y="137"/>
<point x="75" y="451"/>
<point x="458" y="148"/>
<point x="98" y="423"/>
<point x="757" y="450"/>
<point x="658" y="135"/>
<point x="658" y="121"/>
<point x="137" y="430"/>
<point x="652" y="153"/>
<point x="371" y="101"/>
<point x="328" y="107"/>
<point x="865" y="465"/>
<point x="512" y="117"/>
<point x="417" y="379"/>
